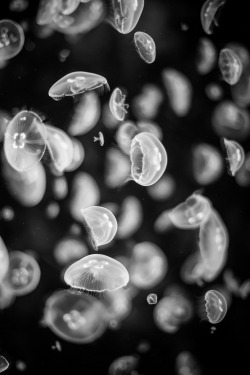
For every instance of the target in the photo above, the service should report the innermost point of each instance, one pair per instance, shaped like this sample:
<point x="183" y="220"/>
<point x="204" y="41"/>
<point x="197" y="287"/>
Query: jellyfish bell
<point x="11" y="39"/>
<point x="145" y="46"/>
<point x="124" y="365"/>
<point x="235" y="155"/>
<point x="230" y="66"/>
<point x="216" y="306"/>
<point x="117" y="104"/>
<point x="210" y="13"/>
<point x="206" y="56"/>
<point x="124" y="135"/>
<point x="4" y="259"/>
<point x="4" y="364"/>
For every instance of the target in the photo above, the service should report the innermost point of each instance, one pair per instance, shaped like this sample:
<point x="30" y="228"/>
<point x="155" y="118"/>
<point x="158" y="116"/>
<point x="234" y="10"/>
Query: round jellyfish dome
<point x="216" y="306"/>
<point x="11" y="39"/>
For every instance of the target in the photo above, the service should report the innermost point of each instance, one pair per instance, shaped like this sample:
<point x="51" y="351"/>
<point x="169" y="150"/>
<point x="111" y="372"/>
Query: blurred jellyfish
<point x="4" y="259"/>
<point x="148" y="265"/>
<point x="18" y="5"/>
<point x="207" y="164"/>
<point x="210" y="13"/>
<point x="124" y="365"/>
<point x="100" y="224"/>
<point x="124" y="135"/>
<point x="145" y="46"/>
<point x="4" y="364"/>
<point x="57" y="346"/>
<point x="46" y="12"/>
<point x="242" y="53"/>
<point x="235" y="155"/>
<point x="4" y="120"/>
<point x="148" y="159"/>
<point x="23" y="274"/>
<point x="163" y="223"/>
<point x="162" y="189"/>
<point x="96" y="273"/>
<point x="150" y="127"/>
<point x="152" y="299"/>
<point x="214" y="91"/>
<point x="230" y="66"/>
<point x="186" y="364"/>
<point x="191" y="213"/>
<point x="206" y="56"/>
<point x="7" y="213"/>
<point x="52" y="210"/>
<point x="60" y="187"/>
<point x="216" y="306"/>
<point x="68" y="6"/>
<point x="130" y="218"/>
<point x="99" y="139"/>
<point x="232" y="284"/>
<point x="117" y="104"/>
<point x="84" y="193"/>
<point x="11" y="39"/>
<point x="243" y="175"/>
<point x="78" y="155"/>
<point x="146" y="104"/>
<point x="7" y="297"/>
<point x="77" y="83"/>
<point x="117" y="168"/>
<point x="117" y="305"/>
<point x="75" y="318"/>
<point x="179" y="91"/>
<point x="25" y="141"/>
<point x="241" y="91"/>
<point x="69" y="249"/>
<point x="193" y="269"/>
<point x="124" y="15"/>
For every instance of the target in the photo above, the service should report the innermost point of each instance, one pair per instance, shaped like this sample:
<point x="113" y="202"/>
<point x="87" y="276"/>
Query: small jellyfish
<point x="4" y="364"/>
<point x="235" y="155"/>
<point x="145" y="46"/>
<point x="117" y="104"/>
<point x="11" y="39"/>
<point x="57" y="346"/>
<point x="25" y="141"/>
<point x="100" y="138"/>
<point x="210" y="13"/>
<point x="77" y="83"/>
<point x="125" y="14"/>
<point x="230" y="66"/>
<point x="123" y="365"/>
<point x="186" y="364"/>
<point x="124" y="135"/>
<point x="152" y="299"/>
<point x="18" y="5"/>
<point x="216" y="306"/>
<point x="100" y="224"/>
<point x="96" y="273"/>
<point x="148" y="159"/>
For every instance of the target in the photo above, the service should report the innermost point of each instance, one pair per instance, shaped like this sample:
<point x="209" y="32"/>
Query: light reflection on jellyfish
<point x="186" y="364"/>
<point x="230" y="66"/>
<point x="210" y="13"/>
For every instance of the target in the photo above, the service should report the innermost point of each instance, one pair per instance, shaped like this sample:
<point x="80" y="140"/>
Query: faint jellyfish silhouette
<point x="25" y="141"/>
<point x="11" y="39"/>
<point x="52" y="210"/>
<point x="124" y="15"/>
<point x="7" y="213"/>
<point x="23" y="274"/>
<point x="152" y="299"/>
<point x="4" y="259"/>
<point x="130" y="217"/>
<point x="193" y="269"/>
<point x="76" y="83"/>
<point x="206" y="56"/>
<point x="235" y="155"/>
<point x="231" y="282"/>
<point x="241" y="91"/>
<point x="60" y="187"/>
<point x="117" y="104"/>
<point x="145" y="46"/>
<point x="216" y="306"/>
<point x="186" y="364"/>
<point x="163" y="223"/>
<point x="124" y="365"/>
<point x="210" y="13"/>
<point x="147" y="103"/>
<point x="78" y="155"/>
<point x="4" y="120"/>
<point x="117" y="168"/>
<point x="46" y="11"/>
<point x="117" y="305"/>
<point x="100" y="138"/>
<point x="4" y="364"/>
<point x="21" y="366"/>
<point x="243" y="175"/>
<point x="67" y="7"/>
<point x="244" y="289"/>
<point x="75" y="318"/>
<point x="96" y="273"/>
<point x="124" y="135"/>
<point x="100" y="224"/>
<point x="148" y="159"/>
<point x="7" y="297"/>
<point x="57" y="346"/>
<point x="214" y="91"/>
<point x="69" y="249"/>
<point x="163" y="189"/>
<point x="150" y="127"/>
<point x="18" y="5"/>
<point x="230" y="66"/>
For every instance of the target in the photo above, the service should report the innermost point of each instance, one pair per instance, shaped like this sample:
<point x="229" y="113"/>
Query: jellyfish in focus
<point x="69" y="249"/>
<point x="145" y="46"/>
<point x="216" y="306"/>
<point x="235" y="155"/>
<point x="125" y="14"/>
<point x="230" y="66"/>
<point x="117" y="104"/>
<point x="123" y="365"/>
<point x="100" y="224"/>
<point x="186" y="364"/>
<point x="11" y="39"/>
<point x="210" y="13"/>
<point x="96" y="273"/>
<point x="25" y="141"/>
<point x="4" y="364"/>
<point x="206" y="56"/>
<point x="148" y="159"/>
<point x="4" y="259"/>
<point x="77" y="83"/>
<point x="152" y="299"/>
<point x="68" y="6"/>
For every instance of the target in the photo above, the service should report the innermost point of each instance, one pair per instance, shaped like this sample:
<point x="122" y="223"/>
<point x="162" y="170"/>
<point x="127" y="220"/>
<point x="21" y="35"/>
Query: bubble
<point x="241" y="91"/>
<point x="230" y="66"/>
<point x="152" y="299"/>
<point x="206" y="56"/>
<point x="124" y="15"/>
<point x="100" y="138"/>
<point x="11" y="39"/>
<point x="123" y="365"/>
<point x="97" y="273"/>
<point x="117" y="104"/>
<point x="117" y="168"/>
<point x="145" y="46"/>
<point x="210" y="13"/>
<point x="235" y="155"/>
<point x="117" y="305"/>
<point x="4" y="364"/>
<point x="216" y="306"/>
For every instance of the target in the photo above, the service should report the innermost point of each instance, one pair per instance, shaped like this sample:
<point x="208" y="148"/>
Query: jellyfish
<point x="146" y="105"/>
<point x="11" y="39"/>
<point x="243" y="175"/>
<point x="100" y="224"/>
<point x="163" y="223"/>
<point x="117" y="168"/>
<point x="148" y="159"/>
<point x="130" y="218"/>
<point x="117" y="104"/>
<point x="60" y="187"/>
<point x="163" y="189"/>
<point x="124" y="365"/>
<point x="150" y="127"/>
<point x="124" y="15"/>
<point x="210" y="13"/>
<point x="4" y="364"/>
<point x="25" y="141"/>
<point x="67" y="7"/>
<point x="145" y="46"/>
<point x="206" y="56"/>
<point x="7" y="297"/>
<point x="69" y="249"/>
<point x="18" y="5"/>
<point x="152" y="299"/>
<point x="125" y="134"/>
<point x="78" y="155"/>
<point x="216" y="306"/>
<point x="230" y="66"/>
<point x="214" y="91"/>
<point x="4" y="259"/>
<point x="186" y="363"/>
<point x="100" y="138"/>
<point x="77" y="83"/>
<point x="96" y="273"/>
<point x="118" y="306"/>
<point x="235" y="155"/>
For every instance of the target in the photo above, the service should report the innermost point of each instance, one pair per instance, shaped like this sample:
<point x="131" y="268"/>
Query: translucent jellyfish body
<point x="206" y="56"/>
<point x="118" y="306"/>
<point x="124" y="15"/>
<point x="210" y="12"/>
<point x="152" y="299"/>
<point x="243" y="175"/>
<point x="4" y="259"/>
<point x="241" y="91"/>
<point x="145" y="46"/>
<point x="77" y="83"/>
<point x="124" y="135"/>
<point x="148" y="159"/>
<point x="100" y="224"/>
<point x="146" y="105"/>
<point x="68" y="6"/>
<point x="191" y="213"/>
<point x="162" y="189"/>
<point x="186" y="363"/>
<point x="11" y="39"/>
<point x="75" y="318"/>
<point x="117" y="104"/>
<point x="230" y="66"/>
<point x="25" y="141"/>
<point x="117" y="168"/>
<point x="69" y="249"/>
<point x="216" y="306"/>
<point x="78" y="155"/>
<point x="23" y="274"/>
<point x="235" y="155"/>
<point x="130" y="218"/>
<point x="123" y="365"/>
<point x="4" y="364"/>
<point x="96" y="273"/>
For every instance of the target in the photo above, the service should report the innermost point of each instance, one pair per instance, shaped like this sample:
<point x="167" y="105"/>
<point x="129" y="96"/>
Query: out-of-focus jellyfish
<point x="117" y="305"/>
<point x="235" y="155"/>
<point x="52" y="210"/>
<point x="123" y="365"/>
<point x="231" y="282"/>
<point x="77" y="83"/>
<point x="146" y="104"/>
<point x="145" y="46"/>
<point x="4" y="119"/>
<point x="11" y="39"/>
<point x="186" y="364"/>
<point x="124" y="15"/>
<point x="241" y="91"/>
<point x="78" y="155"/>
<point x="162" y="189"/>
<point x="206" y="56"/>
<point x="4" y="364"/>
<point x="207" y="164"/>
<point x="150" y="127"/>
<point x="57" y="346"/>
<point x="230" y="121"/>
<point x="214" y="91"/>
<point x="124" y="135"/>
<point x="7" y="297"/>
<point x="148" y="159"/>
<point x="191" y="213"/>
<point x="244" y="289"/>
<point x="68" y="6"/>
<point x="60" y="187"/>
<point x="117" y="104"/>
<point x="100" y="224"/>
<point x="96" y="273"/>
<point x="242" y="53"/>
<point x="7" y="213"/>
<point x="148" y="265"/>
<point x="25" y="141"/>
<point x="46" y="12"/>
<point x="210" y="13"/>
<point x="243" y="175"/>
<point x="18" y="5"/>
<point x="69" y="249"/>
<point x="84" y="193"/>
<point x="152" y="299"/>
<point x="99" y="139"/>
<point x="179" y="91"/>
<point x="230" y="66"/>
<point x="108" y="119"/>
<point x="75" y="318"/>
<point x="130" y="218"/>
<point x="216" y="306"/>
<point x="4" y="259"/>
<point x="163" y="223"/>
<point x="117" y="168"/>
<point x="86" y="114"/>
<point x="63" y="55"/>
